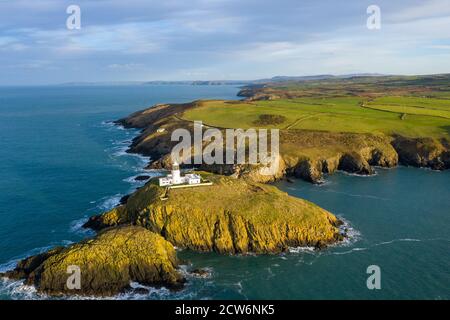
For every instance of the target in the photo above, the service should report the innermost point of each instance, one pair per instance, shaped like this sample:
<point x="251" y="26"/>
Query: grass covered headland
<point x="231" y="216"/>
<point x="327" y="125"/>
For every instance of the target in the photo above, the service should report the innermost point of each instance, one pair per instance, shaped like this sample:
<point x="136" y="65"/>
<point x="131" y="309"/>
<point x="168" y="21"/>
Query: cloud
<point x="440" y="47"/>
<point x="11" y="44"/>
<point x="422" y="10"/>
<point x="213" y="39"/>
<point x="125" y="66"/>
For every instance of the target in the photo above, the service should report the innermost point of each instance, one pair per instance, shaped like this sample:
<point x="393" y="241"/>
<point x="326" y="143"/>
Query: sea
<point x="63" y="160"/>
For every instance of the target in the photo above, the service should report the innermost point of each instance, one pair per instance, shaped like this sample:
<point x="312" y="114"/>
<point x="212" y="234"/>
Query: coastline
<point x="147" y="160"/>
<point x="354" y="153"/>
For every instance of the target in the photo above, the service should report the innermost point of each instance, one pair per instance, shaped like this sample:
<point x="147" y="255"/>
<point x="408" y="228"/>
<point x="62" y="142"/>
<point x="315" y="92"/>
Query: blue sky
<point x="136" y="40"/>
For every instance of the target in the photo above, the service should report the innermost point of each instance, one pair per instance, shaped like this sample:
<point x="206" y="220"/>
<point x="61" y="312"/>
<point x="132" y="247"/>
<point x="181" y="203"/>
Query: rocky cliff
<point x="231" y="216"/>
<point x="423" y="152"/>
<point x="305" y="154"/>
<point x="108" y="263"/>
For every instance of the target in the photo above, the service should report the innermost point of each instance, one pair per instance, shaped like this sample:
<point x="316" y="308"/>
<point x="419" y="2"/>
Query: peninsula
<point x="350" y="124"/>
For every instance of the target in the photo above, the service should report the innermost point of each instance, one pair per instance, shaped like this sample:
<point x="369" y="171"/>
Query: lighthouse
<point x="176" y="176"/>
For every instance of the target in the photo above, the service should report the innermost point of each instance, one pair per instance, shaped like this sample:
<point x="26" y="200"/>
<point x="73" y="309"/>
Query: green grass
<point x="424" y="117"/>
<point x="425" y="103"/>
<point x="411" y="110"/>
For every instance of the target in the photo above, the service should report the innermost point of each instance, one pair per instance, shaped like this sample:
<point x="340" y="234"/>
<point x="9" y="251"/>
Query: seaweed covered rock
<point x="231" y="216"/>
<point x="107" y="264"/>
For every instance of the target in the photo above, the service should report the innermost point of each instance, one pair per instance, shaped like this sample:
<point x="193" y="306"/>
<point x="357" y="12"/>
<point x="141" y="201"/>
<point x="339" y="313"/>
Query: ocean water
<point x="62" y="160"/>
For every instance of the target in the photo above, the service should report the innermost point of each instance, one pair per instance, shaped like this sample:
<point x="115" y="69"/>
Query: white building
<point x="175" y="177"/>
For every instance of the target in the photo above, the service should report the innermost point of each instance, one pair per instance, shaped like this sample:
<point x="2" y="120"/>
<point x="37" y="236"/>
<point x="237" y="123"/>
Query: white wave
<point x="323" y="183"/>
<point x="76" y="226"/>
<point x="209" y="274"/>
<point x="352" y="235"/>
<point x="397" y="240"/>
<point x="67" y="242"/>
<point x="349" y="251"/>
<point x="13" y="262"/>
<point x="358" y="175"/>
<point x="301" y="249"/>
<point x="109" y="203"/>
<point x="239" y="286"/>
<point x="117" y="152"/>
<point x="111" y="125"/>
<point x="385" y="168"/>
<point x="121" y="143"/>
<point x="386" y="243"/>
<point x="368" y="196"/>
<point x="17" y="290"/>
<point x="8" y="265"/>
<point x="107" y="123"/>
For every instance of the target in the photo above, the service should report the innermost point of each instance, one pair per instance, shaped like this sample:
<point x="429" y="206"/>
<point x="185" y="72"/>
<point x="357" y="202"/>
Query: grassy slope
<point x="328" y="118"/>
<point x="107" y="262"/>
<point x="425" y="117"/>
<point x="232" y="215"/>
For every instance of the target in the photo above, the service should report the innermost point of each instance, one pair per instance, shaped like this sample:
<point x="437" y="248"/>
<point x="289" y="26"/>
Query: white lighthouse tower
<point x="176" y="176"/>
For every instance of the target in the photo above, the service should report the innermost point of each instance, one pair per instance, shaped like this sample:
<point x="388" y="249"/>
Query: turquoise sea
<point x="62" y="161"/>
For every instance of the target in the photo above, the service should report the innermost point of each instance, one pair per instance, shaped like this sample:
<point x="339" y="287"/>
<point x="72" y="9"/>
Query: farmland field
<point x="409" y="116"/>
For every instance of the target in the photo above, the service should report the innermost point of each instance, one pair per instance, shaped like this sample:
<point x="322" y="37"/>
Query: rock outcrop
<point x="423" y="152"/>
<point x="108" y="263"/>
<point x="309" y="155"/>
<point x="231" y="216"/>
<point x="355" y="163"/>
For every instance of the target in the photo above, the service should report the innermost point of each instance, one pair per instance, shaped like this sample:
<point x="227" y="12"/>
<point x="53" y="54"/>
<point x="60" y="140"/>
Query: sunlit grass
<point x="408" y="116"/>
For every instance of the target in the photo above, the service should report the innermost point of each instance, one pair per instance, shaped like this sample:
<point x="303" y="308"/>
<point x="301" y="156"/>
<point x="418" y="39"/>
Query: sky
<point x="144" y="40"/>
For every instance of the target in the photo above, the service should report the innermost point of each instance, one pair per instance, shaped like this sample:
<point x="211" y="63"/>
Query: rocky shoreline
<point x="233" y="216"/>
<point x="349" y="152"/>
<point x="136" y="240"/>
<point x="240" y="214"/>
<point x="107" y="264"/>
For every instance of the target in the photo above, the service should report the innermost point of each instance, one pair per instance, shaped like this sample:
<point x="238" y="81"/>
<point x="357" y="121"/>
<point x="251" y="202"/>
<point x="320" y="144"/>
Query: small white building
<point x="175" y="177"/>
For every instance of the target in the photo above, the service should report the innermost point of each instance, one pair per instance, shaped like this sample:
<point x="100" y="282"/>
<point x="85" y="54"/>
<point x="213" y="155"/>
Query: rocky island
<point x="108" y="264"/>
<point x="231" y="216"/>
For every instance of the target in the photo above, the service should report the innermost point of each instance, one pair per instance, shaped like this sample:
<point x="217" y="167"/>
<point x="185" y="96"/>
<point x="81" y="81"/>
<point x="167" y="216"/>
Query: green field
<point x="406" y="115"/>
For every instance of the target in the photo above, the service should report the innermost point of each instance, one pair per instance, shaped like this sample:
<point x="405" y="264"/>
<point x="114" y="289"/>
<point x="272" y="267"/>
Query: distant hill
<point x="275" y="79"/>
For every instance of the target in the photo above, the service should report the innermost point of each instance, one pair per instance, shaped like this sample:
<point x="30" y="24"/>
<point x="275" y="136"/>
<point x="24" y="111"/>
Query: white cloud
<point x="440" y="47"/>
<point x="131" y="38"/>
<point x="224" y="38"/>
<point x="11" y="44"/>
<point x="125" y="66"/>
<point x="423" y="10"/>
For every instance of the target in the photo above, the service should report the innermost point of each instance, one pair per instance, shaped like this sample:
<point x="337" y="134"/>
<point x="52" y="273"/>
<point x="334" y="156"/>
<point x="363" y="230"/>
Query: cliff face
<point x="231" y="216"/>
<point x="304" y="154"/>
<point x="309" y="155"/>
<point x="423" y="152"/>
<point x="108" y="263"/>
